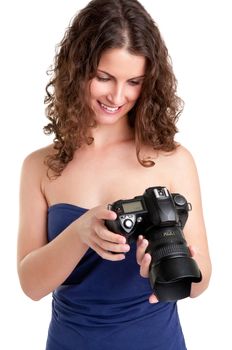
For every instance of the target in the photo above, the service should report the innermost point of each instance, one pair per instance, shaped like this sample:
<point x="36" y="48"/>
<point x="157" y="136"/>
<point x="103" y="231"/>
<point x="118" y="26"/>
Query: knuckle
<point x="105" y="233"/>
<point x="104" y="255"/>
<point x="105" y="245"/>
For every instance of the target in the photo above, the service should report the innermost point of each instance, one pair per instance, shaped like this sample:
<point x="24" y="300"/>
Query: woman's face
<point x="117" y="85"/>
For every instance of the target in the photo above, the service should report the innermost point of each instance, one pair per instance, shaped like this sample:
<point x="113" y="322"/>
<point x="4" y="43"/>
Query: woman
<point x="112" y="106"/>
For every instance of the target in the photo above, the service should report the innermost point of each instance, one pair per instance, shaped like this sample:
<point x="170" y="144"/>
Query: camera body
<point x="160" y="217"/>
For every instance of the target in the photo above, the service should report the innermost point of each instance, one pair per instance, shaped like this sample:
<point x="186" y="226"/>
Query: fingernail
<point x="123" y="240"/>
<point x="114" y="215"/>
<point x="147" y="257"/>
<point x="127" y="248"/>
<point x="153" y="300"/>
<point x="145" y="242"/>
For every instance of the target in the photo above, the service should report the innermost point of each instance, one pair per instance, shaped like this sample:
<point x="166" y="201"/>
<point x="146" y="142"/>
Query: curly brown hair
<point x="102" y="25"/>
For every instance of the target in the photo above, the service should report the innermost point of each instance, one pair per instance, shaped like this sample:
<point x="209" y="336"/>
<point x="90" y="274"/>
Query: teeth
<point x="110" y="109"/>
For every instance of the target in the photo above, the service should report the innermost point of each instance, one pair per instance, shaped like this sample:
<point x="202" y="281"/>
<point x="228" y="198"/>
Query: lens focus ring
<point x="173" y="250"/>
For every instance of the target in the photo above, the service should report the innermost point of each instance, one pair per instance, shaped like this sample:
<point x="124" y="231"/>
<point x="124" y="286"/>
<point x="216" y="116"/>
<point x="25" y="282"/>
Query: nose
<point x="116" y="95"/>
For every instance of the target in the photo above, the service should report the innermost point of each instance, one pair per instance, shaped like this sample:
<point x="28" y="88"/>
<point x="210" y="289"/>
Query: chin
<point x="102" y="120"/>
<point x="108" y="118"/>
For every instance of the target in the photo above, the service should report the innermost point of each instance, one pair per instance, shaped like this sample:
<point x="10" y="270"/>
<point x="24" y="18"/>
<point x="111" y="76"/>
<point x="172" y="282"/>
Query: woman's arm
<point x="184" y="180"/>
<point x="43" y="266"/>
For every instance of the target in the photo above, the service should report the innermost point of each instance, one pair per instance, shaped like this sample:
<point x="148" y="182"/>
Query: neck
<point x="105" y="135"/>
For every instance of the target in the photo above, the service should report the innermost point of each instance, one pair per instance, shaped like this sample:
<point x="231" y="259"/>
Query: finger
<point x="144" y="268"/>
<point x="192" y="251"/>
<point x="107" y="255"/>
<point x="141" y="248"/>
<point x="102" y="213"/>
<point x="110" y="246"/>
<point x="107" y="235"/>
<point x="153" y="299"/>
<point x="139" y="240"/>
<point x="138" y="251"/>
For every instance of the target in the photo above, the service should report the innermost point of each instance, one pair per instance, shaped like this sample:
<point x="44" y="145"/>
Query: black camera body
<point x="160" y="217"/>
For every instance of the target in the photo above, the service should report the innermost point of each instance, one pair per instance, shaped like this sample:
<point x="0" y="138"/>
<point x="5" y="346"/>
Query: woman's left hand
<point x="144" y="260"/>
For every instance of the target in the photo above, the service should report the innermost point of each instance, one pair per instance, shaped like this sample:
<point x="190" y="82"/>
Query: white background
<point x="197" y="34"/>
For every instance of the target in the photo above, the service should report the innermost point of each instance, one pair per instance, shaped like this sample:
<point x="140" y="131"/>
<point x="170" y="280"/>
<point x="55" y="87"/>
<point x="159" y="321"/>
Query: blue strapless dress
<point x="103" y="305"/>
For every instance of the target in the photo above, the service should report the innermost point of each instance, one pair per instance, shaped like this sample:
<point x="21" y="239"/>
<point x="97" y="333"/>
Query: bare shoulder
<point x="180" y="158"/>
<point x="35" y="161"/>
<point x="34" y="170"/>
<point x="182" y="170"/>
<point x="33" y="177"/>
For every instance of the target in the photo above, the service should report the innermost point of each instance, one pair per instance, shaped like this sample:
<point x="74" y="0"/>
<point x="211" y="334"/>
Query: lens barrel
<point x="172" y="269"/>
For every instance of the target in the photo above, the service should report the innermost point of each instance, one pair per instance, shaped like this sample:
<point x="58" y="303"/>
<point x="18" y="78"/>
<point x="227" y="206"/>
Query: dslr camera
<point x="160" y="217"/>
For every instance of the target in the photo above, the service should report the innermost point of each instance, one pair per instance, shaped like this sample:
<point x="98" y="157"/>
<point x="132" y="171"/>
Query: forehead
<point x="121" y="63"/>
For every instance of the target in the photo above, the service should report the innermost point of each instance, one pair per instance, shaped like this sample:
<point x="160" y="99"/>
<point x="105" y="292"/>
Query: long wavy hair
<point x="103" y="25"/>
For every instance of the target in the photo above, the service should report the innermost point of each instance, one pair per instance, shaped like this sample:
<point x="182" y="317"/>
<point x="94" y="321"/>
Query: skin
<point x="43" y="266"/>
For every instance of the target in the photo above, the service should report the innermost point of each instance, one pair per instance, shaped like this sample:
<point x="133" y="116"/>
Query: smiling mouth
<point x="108" y="108"/>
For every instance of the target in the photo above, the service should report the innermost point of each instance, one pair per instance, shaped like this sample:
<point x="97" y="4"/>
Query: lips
<point x="109" y="109"/>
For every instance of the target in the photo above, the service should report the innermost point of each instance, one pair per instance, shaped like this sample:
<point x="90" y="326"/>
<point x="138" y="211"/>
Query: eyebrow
<point x="139" y="77"/>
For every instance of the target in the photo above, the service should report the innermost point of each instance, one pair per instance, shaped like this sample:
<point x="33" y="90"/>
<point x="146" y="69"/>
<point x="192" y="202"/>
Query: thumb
<point x="192" y="250"/>
<point x="103" y="213"/>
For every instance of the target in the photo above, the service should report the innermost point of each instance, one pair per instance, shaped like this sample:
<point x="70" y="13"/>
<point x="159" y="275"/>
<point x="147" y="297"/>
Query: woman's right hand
<point x="93" y="232"/>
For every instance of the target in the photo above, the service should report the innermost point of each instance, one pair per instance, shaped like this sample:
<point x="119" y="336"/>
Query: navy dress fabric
<point x="103" y="305"/>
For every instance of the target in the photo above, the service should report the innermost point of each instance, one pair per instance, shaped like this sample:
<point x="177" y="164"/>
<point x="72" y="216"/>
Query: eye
<point x="102" y="79"/>
<point x="134" y="82"/>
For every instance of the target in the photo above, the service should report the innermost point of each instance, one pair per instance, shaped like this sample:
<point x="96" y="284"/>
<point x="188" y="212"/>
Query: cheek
<point x="134" y="94"/>
<point x="92" y="89"/>
<point x="97" y="89"/>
